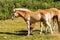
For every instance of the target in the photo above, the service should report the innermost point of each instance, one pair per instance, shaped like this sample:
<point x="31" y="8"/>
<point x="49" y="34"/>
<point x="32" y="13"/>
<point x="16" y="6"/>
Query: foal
<point x="25" y="14"/>
<point x="32" y="17"/>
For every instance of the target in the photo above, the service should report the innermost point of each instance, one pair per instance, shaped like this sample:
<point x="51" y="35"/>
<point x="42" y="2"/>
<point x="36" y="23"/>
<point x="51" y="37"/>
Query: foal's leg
<point x="28" y="23"/>
<point x="32" y="26"/>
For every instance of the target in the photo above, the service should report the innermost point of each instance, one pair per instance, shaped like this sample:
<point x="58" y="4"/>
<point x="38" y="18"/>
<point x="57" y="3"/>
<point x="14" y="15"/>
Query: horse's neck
<point x="24" y="15"/>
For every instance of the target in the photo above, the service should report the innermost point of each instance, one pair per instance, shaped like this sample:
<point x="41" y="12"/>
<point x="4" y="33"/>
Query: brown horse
<point x="32" y="17"/>
<point x="54" y="15"/>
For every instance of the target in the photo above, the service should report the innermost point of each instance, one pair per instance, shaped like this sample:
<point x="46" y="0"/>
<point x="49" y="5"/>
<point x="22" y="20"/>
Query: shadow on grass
<point x="21" y="33"/>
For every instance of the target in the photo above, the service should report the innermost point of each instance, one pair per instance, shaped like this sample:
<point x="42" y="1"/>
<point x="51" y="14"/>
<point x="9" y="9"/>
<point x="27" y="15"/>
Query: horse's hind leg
<point x="58" y="22"/>
<point x="28" y="23"/>
<point x="59" y="27"/>
<point x="55" y="19"/>
<point x="53" y="25"/>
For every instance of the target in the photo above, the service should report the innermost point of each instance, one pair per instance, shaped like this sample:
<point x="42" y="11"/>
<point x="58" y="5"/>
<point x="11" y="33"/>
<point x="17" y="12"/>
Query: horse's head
<point x="20" y="12"/>
<point x="15" y="14"/>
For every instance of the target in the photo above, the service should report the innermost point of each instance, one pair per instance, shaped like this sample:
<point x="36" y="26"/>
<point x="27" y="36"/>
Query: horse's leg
<point x="40" y="27"/>
<point x="54" y="23"/>
<point x="47" y="19"/>
<point x="28" y="23"/>
<point x="59" y="26"/>
<point x="58" y="22"/>
<point x="48" y="24"/>
<point x="32" y="26"/>
<point x="46" y="27"/>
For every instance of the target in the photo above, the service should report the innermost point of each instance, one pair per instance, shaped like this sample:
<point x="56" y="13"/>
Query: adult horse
<point x="32" y="17"/>
<point x="54" y="14"/>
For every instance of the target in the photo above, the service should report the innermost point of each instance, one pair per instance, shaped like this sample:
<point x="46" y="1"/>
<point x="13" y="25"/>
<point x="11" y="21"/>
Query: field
<point x="17" y="30"/>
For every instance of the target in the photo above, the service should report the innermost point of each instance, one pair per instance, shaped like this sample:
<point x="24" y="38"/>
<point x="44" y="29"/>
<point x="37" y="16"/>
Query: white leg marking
<point x="41" y="27"/>
<point x="41" y="30"/>
<point x="48" y="17"/>
<point x="28" y="22"/>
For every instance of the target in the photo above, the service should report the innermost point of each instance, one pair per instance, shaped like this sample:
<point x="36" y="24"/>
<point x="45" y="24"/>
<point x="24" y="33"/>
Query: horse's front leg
<point x="28" y="23"/>
<point x="48" y="24"/>
<point x="41" y="27"/>
<point x="46" y="27"/>
<point x="54" y="24"/>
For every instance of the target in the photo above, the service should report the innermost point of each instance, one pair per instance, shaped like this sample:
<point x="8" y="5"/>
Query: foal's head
<point x="15" y="14"/>
<point x="19" y="12"/>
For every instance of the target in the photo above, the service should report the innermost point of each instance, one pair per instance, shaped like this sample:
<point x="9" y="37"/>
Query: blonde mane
<point x="23" y="9"/>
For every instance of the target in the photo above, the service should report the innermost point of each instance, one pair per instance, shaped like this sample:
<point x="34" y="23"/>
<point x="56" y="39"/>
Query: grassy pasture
<point x="17" y="30"/>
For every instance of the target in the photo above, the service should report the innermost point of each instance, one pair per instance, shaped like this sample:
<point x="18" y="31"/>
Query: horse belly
<point x="35" y="19"/>
<point x="48" y="16"/>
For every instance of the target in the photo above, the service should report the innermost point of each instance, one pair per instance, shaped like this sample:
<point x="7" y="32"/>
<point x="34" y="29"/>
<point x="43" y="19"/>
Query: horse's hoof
<point x="27" y="35"/>
<point x="40" y="32"/>
<point x="51" y="32"/>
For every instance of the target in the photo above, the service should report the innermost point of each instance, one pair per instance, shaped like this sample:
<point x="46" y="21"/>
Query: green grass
<point x="16" y="30"/>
